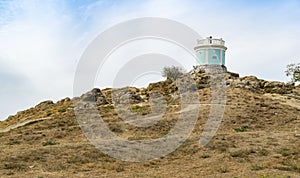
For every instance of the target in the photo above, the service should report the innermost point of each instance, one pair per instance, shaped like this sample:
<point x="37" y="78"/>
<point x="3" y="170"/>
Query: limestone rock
<point x="126" y="95"/>
<point x="44" y="104"/>
<point x="94" y="96"/>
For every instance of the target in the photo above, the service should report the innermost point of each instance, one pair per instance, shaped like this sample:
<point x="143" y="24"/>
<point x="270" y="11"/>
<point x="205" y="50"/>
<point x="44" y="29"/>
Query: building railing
<point x="210" y="41"/>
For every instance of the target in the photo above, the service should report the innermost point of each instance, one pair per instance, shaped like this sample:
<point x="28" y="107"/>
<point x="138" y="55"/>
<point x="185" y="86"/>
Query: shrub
<point x="285" y="152"/>
<point x="241" y="129"/>
<point x="222" y="149"/>
<point x="115" y="127"/>
<point x="190" y="151"/>
<point x="110" y="106"/>
<point x="223" y="170"/>
<point x="263" y="152"/>
<point x="293" y="71"/>
<point x="204" y="156"/>
<point x="47" y="143"/>
<point x="120" y="168"/>
<point x="294" y="166"/>
<point x="14" y="166"/>
<point x="49" y="113"/>
<point x="172" y="72"/>
<point x="62" y="110"/>
<point x="256" y="167"/>
<point x="164" y="133"/>
<point x="242" y="153"/>
<point x="238" y="153"/>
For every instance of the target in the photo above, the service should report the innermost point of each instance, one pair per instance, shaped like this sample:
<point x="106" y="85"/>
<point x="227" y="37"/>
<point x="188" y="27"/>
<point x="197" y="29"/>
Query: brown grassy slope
<point x="256" y="138"/>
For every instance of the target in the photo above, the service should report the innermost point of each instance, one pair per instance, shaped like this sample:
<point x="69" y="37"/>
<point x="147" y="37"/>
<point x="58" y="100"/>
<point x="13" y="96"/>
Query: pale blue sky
<point x="41" y="41"/>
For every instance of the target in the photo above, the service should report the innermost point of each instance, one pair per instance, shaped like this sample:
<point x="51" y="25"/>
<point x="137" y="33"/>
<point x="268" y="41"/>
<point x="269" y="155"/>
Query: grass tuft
<point x="49" y="143"/>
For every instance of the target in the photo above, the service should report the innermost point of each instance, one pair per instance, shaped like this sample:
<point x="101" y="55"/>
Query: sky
<point x="41" y="42"/>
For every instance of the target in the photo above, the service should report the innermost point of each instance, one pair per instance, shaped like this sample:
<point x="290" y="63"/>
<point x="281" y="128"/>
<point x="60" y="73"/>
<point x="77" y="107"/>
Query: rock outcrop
<point x="94" y="95"/>
<point x="233" y="80"/>
<point x="202" y="77"/>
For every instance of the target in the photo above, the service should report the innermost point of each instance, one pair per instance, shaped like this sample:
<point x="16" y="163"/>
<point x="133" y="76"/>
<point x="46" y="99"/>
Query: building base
<point x="213" y="68"/>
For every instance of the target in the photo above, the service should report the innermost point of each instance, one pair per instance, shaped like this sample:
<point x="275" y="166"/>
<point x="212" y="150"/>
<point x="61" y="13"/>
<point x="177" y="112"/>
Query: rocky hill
<point x="258" y="135"/>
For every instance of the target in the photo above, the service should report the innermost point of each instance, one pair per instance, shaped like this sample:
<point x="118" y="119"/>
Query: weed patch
<point x="49" y="143"/>
<point x="243" y="128"/>
<point x="256" y="167"/>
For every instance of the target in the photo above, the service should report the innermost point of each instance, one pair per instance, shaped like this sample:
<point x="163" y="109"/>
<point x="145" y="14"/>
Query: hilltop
<point x="257" y="136"/>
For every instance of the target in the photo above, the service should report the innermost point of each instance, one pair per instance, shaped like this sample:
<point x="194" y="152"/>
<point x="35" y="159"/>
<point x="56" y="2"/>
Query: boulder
<point x="44" y="104"/>
<point x="126" y="95"/>
<point x="94" y="96"/>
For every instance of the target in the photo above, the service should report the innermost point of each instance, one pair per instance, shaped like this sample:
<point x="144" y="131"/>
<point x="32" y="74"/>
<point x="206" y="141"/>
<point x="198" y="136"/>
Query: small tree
<point x="293" y="71"/>
<point x="172" y="72"/>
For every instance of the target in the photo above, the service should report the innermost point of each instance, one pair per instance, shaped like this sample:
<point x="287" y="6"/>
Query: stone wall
<point x="211" y="68"/>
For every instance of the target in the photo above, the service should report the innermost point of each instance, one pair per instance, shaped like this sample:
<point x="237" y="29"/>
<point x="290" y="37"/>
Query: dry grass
<point x="58" y="148"/>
